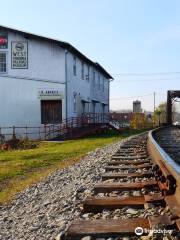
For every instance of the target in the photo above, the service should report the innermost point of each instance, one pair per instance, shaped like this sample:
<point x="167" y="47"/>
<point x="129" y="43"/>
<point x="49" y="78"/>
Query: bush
<point x="16" y="144"/>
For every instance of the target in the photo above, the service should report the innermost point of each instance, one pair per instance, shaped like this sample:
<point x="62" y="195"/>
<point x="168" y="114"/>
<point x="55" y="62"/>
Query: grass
<point x="21" y="168"/>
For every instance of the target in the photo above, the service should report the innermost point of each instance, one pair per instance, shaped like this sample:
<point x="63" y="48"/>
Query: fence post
<point x="45" y="131"/>
<point x="53" y="130"/>
<point x="26" y="132"/>
<point x="39" y="133"/>
<point x="14" y="132"/>
<point x="1" y="140"/>
<point x="49" y="132"/>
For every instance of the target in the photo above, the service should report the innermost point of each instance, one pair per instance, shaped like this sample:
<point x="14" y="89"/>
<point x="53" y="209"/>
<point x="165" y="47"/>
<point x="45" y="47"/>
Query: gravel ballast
<point x="43" y="211"/>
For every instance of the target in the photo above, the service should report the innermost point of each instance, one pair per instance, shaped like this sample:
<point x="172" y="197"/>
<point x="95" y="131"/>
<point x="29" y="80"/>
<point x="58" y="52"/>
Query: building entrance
<point x="51" y="111"/>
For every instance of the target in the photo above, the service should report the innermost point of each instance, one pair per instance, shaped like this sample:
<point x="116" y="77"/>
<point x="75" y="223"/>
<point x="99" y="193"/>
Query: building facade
<point x="43" y="81"/>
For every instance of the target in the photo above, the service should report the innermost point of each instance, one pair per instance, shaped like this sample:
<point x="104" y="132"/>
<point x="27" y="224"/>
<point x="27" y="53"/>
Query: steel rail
<point x="171" y="164"/>
<point x="168" y="171"/>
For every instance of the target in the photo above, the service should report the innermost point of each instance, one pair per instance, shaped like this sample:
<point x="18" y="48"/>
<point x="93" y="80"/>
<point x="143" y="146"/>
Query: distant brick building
<point x="124" y="119"/>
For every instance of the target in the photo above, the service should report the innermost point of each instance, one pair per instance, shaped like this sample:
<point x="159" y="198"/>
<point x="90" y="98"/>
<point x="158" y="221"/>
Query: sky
<point x="132" y="39"/>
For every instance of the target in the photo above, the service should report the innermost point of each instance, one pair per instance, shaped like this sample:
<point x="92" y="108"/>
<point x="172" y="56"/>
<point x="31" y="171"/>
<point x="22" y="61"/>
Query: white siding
<point x="49" y="68"/>
<point x="46" y="60"/>
<point x="75" y="84"/>
<point x="20" y="103"/>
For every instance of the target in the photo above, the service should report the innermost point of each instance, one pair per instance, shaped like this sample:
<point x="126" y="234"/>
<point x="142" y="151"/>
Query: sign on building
<point x="19" y="55"/>
<point x="50" y="94"/>
<point x="3" y="40"/>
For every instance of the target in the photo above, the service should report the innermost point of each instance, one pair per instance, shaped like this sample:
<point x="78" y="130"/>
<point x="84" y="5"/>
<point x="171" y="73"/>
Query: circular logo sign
<point x="3" y="40"/>
<point x="19" y="47"/>
<point x="139" y="231"/>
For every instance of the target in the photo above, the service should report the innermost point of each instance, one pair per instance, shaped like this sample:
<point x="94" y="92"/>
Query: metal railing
<point x="50" y="131"/>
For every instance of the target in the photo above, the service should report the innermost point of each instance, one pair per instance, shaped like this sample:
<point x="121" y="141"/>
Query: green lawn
<point x="21" y="168"/>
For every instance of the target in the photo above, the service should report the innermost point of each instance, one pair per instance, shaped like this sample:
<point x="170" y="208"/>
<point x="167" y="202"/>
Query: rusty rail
<point x="140" y="165"/>
<point x="167" y="170"/>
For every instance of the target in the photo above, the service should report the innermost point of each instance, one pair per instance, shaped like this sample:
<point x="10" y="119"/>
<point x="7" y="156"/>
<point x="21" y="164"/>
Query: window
<point x="74" y="102"/>
<point x="82" y="70"/>
<point x="99" y="81"/>
<point x="103" y="82"/>
<point x="3" y="62"/>
<point x="74" y="66"/>
<point x="88" y="72"/>
<point x="94" y="78"/>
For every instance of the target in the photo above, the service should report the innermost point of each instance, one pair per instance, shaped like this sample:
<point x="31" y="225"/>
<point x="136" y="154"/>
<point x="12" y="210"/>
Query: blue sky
<point x="125" y="36"/>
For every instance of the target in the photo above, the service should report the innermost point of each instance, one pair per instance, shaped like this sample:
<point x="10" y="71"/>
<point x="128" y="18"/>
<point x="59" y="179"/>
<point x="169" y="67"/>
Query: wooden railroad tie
<point x="119" y="157"/>
<point x="111" y="168"/>
<point x="128" y="162"/>
<point x="109" y="187"/>
<point x="94" y="204"/>
<point x="115" y="228"/>
<point x="106" y="176"/>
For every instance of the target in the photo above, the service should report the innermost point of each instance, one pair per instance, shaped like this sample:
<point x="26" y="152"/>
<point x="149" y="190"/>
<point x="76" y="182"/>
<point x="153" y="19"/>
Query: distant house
<point x="123" y="119"/>
<point x="43" y="80"/>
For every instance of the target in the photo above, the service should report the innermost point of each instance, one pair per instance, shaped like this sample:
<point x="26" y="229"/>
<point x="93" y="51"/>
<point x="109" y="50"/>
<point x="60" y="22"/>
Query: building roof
<point x="63" y="44"/>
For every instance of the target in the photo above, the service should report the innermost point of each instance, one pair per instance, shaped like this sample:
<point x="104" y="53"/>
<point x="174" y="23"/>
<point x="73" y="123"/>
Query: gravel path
<point x="43" y="211"/>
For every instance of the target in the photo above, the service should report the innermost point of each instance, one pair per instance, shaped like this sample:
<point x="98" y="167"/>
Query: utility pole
<point x="154" y="101"/>
<point x="154" y="107"/>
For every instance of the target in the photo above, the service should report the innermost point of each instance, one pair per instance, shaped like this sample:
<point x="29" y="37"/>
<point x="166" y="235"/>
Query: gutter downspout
<point x="66" y="82"/>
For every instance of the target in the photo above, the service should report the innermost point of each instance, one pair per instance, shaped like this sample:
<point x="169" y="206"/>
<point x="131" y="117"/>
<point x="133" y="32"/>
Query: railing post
<point x="39" y="133"/>
<point x="45" y="131"/>
<point x="1" y="139"/>
<point x="53" y="130"/>
<point x="14" y="132"/>
<point x="26" y="132"/>
<point x="72" y="123"/>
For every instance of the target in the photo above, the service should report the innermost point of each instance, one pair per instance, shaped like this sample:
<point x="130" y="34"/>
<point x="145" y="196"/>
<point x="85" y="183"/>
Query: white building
<point x="43" y="80"/>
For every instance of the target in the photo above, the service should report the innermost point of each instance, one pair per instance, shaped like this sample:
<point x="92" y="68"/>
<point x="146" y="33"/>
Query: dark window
<point x="99" y="81"/>
<point x="94" y="79"/>
<point x="74" y="101"/>
<point x="88" y="73"/>
<point x="3" y="64"/>
<point x="103" y="82"/>
<point x="51" y="111"/>
<point x="82" y="70"/>
<point x="74" y="66"/>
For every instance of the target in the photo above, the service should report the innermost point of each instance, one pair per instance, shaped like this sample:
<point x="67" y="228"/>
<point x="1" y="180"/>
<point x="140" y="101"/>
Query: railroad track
<point x="138" y="197"/>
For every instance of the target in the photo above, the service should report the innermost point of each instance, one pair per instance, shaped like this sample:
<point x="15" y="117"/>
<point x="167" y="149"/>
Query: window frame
<point x="88" y="73"/>
<point x="103" y="84"/>
<point x="82" y="70"/>
<point x="75" y="102"/>
<point x="74" y="65"/>
<point x="94" y="78"/>
<point x="6" y="54"/>
<point x="99" y="81"/>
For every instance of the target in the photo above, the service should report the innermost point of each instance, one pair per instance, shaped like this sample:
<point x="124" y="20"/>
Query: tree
<point x="160" y="113"/>
<point x="139" y="121"/>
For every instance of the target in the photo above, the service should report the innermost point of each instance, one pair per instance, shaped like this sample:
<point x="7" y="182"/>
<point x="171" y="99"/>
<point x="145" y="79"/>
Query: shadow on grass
<point x="114" y="133"/>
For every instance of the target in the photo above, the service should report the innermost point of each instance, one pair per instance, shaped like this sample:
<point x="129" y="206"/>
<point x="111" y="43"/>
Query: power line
<point x="145" y="74"/>
<point x="150" y="94"/>
<point x="138" y="96"/>
<point x="144" y="80"/>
